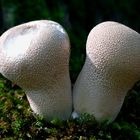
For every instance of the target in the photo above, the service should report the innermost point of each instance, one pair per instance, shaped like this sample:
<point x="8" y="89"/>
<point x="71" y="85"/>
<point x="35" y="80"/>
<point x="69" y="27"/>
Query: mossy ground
<point x="17" y="121"/>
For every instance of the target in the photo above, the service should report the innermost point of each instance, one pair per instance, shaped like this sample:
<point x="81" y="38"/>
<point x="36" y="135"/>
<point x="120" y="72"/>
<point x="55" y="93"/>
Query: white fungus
<point x="35" y="56"/>
<point x="111" y="68"/>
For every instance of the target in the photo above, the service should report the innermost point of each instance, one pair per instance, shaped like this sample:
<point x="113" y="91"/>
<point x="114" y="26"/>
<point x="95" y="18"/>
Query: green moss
<point x="18" y="122"/>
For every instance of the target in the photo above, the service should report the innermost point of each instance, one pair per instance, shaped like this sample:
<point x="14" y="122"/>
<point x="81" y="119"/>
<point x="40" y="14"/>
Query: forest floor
<point x="18" y="122"/>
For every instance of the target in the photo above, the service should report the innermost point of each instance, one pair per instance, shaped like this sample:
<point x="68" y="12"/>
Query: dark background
<point x="78" y="17"/>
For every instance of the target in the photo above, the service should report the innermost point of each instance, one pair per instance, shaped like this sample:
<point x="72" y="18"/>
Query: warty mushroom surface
<point x="35" y="56"/>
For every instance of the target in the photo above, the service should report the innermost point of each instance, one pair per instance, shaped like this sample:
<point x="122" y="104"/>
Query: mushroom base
<point x="51" y="105"/>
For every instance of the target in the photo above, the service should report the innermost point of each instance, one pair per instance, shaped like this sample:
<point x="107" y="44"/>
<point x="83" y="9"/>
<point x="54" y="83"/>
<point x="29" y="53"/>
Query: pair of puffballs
<point x="35" y="56"/>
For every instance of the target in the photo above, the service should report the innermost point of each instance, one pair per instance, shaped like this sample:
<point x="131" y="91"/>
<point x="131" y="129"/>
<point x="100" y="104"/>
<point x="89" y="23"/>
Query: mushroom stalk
<point x="35" y="56"/>
<point x="111" y="68"/>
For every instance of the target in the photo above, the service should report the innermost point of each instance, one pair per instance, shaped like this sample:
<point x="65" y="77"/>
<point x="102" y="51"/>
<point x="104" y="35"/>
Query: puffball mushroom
<point x="35" y="56"/>
<point x="111" y="68"/>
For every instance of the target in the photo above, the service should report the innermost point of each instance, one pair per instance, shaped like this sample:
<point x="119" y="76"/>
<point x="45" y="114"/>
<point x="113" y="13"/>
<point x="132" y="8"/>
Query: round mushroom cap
<point x="32" y="51"/>
<point x="114" y="49"/>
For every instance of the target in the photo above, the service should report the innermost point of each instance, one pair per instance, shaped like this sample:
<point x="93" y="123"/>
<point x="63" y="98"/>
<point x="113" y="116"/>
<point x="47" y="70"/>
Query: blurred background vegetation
<point x="78" y="17"/>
